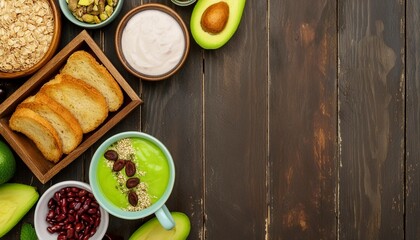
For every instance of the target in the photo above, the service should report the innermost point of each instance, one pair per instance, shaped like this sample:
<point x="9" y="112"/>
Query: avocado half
<point x="15" y="201"/>
<point x="152" y="230"/>
<point x="211" y="40"/>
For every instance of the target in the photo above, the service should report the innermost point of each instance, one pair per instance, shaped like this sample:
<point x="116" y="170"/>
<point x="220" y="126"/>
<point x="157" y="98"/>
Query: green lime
<point x="7" y="163"/>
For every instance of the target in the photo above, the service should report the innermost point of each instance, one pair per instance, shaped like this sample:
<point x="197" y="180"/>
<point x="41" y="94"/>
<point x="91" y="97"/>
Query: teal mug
<point x="155" y="169"/>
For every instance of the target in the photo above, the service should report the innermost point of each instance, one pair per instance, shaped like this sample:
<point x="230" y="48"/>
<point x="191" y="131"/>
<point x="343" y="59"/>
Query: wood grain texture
<point x="303" y="119"/>
<point x="371" y="119"/>
<point x="173" y="112"/>
<point x="235" y="113"/>
<point x="293" y="130"/>
<point x="412" y="227"/>
<point x="105" y="38"/>
<point x="24" y="147"/>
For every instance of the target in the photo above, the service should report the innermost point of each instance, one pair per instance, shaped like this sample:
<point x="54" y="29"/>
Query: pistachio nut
<point x="88" y="18"/>
<point x="92" y="11"/>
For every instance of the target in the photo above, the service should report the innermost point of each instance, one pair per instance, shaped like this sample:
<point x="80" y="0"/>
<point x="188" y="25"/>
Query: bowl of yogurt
<point x="152" y="41"/>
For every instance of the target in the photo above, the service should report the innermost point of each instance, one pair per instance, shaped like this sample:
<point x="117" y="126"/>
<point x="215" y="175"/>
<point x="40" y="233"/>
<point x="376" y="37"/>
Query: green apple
<point x="7" y="163"/>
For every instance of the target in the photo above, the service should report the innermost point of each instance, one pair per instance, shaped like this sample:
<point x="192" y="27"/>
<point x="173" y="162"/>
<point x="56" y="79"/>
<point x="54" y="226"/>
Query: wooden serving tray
<point x="43" y="169"/>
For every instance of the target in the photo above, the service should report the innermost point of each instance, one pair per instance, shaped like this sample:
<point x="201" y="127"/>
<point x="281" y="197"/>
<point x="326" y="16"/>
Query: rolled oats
<point x="26" y="31"/>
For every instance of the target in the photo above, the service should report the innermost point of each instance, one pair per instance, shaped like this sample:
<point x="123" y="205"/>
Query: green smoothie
<point x="151" y="168"/>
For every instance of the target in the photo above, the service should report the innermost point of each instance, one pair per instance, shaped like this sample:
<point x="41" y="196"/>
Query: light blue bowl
<point x="158" y="207"/>
<point x="71" y="18"/>
<point x="183" y="2"/>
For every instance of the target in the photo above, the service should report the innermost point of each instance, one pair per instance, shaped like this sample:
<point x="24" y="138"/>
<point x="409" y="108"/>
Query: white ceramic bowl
<point x="41" y="211"/>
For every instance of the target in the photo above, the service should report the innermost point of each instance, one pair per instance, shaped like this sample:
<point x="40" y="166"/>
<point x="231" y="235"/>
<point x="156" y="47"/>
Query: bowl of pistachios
<point x="91" y="14"/>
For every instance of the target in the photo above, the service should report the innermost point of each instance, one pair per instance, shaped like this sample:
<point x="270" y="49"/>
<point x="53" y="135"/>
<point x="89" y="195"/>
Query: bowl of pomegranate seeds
<point x="68" y="210"/>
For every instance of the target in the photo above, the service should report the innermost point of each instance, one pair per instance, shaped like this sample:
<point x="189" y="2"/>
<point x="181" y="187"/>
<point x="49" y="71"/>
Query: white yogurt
<point x="153" y="42"/>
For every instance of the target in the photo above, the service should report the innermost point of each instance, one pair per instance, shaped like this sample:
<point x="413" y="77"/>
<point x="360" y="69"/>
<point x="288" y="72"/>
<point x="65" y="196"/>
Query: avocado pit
<point x="215" y="18"/>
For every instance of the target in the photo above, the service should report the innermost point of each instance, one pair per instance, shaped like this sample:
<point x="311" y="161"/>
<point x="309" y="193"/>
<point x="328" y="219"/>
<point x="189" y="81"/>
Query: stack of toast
<point x="75" y="102"/>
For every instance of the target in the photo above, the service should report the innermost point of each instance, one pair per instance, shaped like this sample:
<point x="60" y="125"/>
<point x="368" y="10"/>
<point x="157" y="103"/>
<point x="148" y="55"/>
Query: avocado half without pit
<point x="152" y="230"/>
<point x="213" y="22"/>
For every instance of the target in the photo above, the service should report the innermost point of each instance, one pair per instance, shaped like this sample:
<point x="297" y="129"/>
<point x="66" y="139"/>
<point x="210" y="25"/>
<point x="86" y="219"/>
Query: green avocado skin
<point x="152" y="230"/>
<point x="15" y="201"/>
<point x="215" y="41"/>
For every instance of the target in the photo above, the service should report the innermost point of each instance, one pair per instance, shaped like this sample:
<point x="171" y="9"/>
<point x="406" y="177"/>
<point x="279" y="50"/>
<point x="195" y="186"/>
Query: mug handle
<point x="165" y="218"/>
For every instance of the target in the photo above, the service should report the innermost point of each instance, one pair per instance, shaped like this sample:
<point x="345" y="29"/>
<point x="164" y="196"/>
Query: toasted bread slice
<point x="65" y="124"/>
<point x="39" y="130"/>
<point x="84" y="66"/>
<point x="86" y="104"/>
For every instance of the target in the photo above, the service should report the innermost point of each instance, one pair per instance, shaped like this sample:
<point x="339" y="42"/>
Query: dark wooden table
<point x="304" y="126"/>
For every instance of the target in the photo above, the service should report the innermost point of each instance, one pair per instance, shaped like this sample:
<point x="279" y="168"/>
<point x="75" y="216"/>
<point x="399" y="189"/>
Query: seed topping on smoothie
<point x="119" y="156"/>
<point x="124" y="148"/>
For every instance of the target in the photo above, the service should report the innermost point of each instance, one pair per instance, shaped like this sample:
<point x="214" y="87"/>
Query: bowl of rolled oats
<point x="91" y="14"/>
<point x="29" y="35"/>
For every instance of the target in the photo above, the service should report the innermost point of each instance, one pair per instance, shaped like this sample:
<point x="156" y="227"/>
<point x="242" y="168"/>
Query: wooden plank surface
<point x="371" y="119"/>
<point x="303" y="119"/>
<point x="412" y="230"/>
<point x="235" y="131"/>
<point x="105" y="37"/>
<point x="293" y="130"/>
<point x="173" y="114"/>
